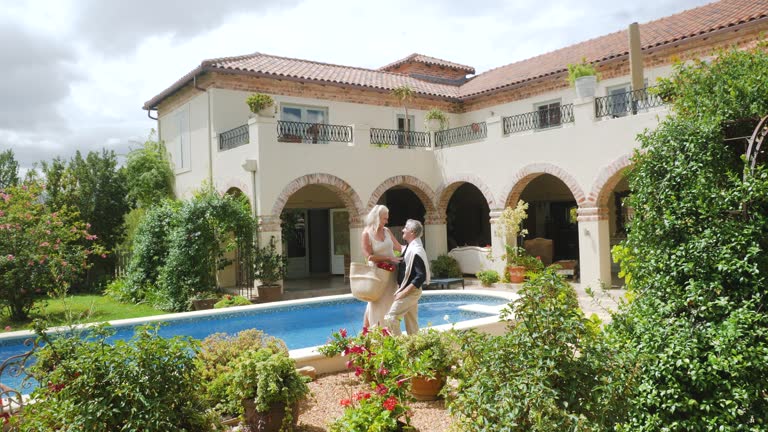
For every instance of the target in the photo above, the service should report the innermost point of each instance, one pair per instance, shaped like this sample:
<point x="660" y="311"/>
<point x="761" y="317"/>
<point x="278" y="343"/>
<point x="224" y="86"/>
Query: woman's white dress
<point x="376" y="310"/>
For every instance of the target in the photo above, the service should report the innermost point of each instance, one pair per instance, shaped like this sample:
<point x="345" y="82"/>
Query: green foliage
<point x="549" y="372"/>
<point x="148" y="173"/>
<point x="9" y="169"/>
<point x="43" y="250"/>
<point x="270" y="266"/>
<point x="150" y="251"/>
<point x="218" y="353"/>
<point x="230" y="300"/>
<point x="258" y="101"/>
<point x="430" y="352"/>
<point x="148" y="383"/>
<point x="439" y="115"/>
<point x="369" y="411"/>
<point x="487" y="277"/>
<point x="510" y="222"/>
<point x="696" y="252"/>
<point x="517" y="256"/>
<point x="96" y="187"/>
<point x="445" y="267"/>
<point x="578" y="70"/>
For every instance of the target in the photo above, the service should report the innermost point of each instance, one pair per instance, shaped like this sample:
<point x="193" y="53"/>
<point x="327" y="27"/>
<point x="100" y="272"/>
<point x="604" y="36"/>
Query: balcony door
<point x="305" y="114"/>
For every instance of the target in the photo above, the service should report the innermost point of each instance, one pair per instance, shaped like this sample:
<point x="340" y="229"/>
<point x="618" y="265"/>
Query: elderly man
<point x="412" y="274"/>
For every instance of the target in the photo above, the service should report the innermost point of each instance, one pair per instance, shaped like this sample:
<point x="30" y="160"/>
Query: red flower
<point x="358" y="371"/>
<point x="365" y="331"/>
<point x="350" y="363"/>
<point x="383" y="371"/>
<point x="390" y="404"/>
<point x="361" y="395"/>
<point x="402" y="381"/>
<point x="386" y="266"/>
<point x="381" y="389"/>
<point x="385" y="331"/>
<point x="343" y="333"/>
<point x="345" y="402"/>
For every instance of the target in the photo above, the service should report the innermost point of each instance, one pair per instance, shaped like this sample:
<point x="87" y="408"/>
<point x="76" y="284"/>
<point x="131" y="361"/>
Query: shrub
<point x="487" y="277"/>
<point x="270" y="266"/>
<point x="548" y="372"/>
<point x="148" y="383"/>
<point x="430" y="352"/>
<point x="445" y="267"/>
<point x="695" y="251"/>
<point x="230" y="300"/>
<point x="43" y="251"/>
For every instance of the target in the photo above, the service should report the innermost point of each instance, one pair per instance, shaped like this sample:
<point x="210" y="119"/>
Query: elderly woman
<point x="378" y="245"/>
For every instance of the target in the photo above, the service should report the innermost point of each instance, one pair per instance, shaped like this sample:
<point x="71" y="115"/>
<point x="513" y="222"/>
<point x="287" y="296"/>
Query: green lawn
<point x="84" y="309"/>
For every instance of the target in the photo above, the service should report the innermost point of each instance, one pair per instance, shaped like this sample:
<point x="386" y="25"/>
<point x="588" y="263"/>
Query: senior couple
<point x="401" y="298"/>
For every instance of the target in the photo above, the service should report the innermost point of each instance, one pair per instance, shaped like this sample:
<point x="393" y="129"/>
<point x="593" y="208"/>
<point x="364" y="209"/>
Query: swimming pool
<point x="300" y="323"/>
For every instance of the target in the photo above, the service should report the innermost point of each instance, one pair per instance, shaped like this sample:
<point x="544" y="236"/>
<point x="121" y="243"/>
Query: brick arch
<point x="347" y="194"/>
<point x="446" y="190"/>
<point x="606" y="180"/>
<point x="525" y="175"/>
<point x="233" y="184"/>
<point x="236" y="191"/>
<point x="421" y="189"/>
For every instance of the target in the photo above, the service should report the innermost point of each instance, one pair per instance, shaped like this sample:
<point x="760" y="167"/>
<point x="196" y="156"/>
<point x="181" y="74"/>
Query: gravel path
<point x="323" y="407"/>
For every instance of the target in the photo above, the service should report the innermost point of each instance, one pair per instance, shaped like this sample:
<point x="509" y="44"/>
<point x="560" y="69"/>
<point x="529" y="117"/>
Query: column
<point x="269" y="227"/>
<point x="435" y="236"/>
<point x="594" y="247"/>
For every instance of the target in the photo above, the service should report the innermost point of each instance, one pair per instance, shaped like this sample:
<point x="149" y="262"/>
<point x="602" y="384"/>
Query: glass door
<point x="302" y="114"/>
<point x="295" y="244"/>
<point x="339" y="239"/>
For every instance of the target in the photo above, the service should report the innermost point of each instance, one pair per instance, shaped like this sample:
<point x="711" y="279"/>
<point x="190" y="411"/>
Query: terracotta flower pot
<point x="426" y="389"/>
<point x="516" y="274"/>
<point x="269" y="293"/>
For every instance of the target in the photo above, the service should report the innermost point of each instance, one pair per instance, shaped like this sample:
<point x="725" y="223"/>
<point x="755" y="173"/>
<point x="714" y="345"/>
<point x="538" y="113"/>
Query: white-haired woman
<point x="378" y="245"/>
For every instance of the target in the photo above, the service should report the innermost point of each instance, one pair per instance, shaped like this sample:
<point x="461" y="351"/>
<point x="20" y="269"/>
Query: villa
<point x="340" y="142"/>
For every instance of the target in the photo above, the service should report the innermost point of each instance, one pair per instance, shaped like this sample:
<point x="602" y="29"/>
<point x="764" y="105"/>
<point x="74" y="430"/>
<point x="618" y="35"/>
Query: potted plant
<point x="519" y="263"/>
<point x="509" y="227"/>
<point x="435" y="120"/>
<point x="204" y="300"/>
<point x="583" y="76"/>
<point x="432" y="354"/>
<point x="261" y="104"/>
<point x="270" y="266"/>
<point x="264" y="388"/>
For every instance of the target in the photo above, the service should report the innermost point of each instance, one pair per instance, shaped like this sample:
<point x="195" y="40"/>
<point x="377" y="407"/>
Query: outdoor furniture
<point x="540" y="247"/>
<point x="444" y="283"/>
<point x="471" y="259"/>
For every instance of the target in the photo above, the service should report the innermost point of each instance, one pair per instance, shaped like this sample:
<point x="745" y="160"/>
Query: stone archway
<point x="529" y="172"/>
<point x="446" y="190"/>
<point x="606" y="181"/>
<point x="345" y="192"/>
<point x="415" y="185"/>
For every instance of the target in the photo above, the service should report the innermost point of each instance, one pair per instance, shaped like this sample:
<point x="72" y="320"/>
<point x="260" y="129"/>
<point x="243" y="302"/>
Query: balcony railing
<point x="312" y="133"/>
<point x="399" y="138"/>
<point x="541" y="119"/>
<point x="460" y="135"/>
<point x="234" y="138"/>
<point x="631" y="102"/>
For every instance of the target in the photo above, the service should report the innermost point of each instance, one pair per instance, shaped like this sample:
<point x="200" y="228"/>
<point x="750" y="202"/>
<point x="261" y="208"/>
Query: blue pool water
<point x="299" y="325"/>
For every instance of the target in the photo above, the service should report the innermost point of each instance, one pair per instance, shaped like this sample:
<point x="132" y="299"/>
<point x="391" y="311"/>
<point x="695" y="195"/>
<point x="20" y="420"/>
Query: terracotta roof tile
<point x="686" y="24"/>
<point x="420" y="58"/>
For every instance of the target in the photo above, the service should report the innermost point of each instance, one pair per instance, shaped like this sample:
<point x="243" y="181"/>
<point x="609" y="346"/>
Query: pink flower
<point x="350" y="363"/>
<point x="343" y="333"/>
<point x="10" y="257"/>
<point x="44" y="244"/>
<point x="7" y="328"/>
<point x="390" y="404"/>
<point x="383" y="371"/>
<point x="345" y="402"/>
<point x="401" y="381"/>
<point x="381" y="389"/>
<point x="103" y="255"/>
<point x="365" y="331"/>
<point x="385" y="331"/>
<point x="358" y="371"/>
<point x="2" y="213"/>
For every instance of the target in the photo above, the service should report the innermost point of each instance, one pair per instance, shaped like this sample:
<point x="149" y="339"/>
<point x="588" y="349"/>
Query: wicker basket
<point x="367" y="282"/>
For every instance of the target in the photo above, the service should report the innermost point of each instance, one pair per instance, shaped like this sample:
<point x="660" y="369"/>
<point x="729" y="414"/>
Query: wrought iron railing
<point x="11" y="399"/>
<point x="460" y="135"/>
<point x="631" y="102"/>
<point x="234" y="138"/>
<point x="399" y="138"/>
<point x="541" y="119"/>
<point x="312" y="133"/>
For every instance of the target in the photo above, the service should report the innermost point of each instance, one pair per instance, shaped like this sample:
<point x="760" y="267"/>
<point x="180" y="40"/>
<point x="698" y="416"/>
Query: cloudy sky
<point x="74" y="74"/>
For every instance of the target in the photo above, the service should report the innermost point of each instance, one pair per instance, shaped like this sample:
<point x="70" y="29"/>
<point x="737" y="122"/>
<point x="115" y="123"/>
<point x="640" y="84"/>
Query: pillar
<point x="594" y="247"/>
<point x="269" y="227"/>
<point x="436" y="236"/>
<point x="498" y="243"/>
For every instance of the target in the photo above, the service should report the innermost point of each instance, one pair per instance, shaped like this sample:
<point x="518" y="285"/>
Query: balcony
<point x="538" y="120"/>
<point x="461" y="135"/>
<point x="312" y="133"/>
<point x="234" y="138"/>
<point x="400" y="138"/>
<point x="622" y="104"/>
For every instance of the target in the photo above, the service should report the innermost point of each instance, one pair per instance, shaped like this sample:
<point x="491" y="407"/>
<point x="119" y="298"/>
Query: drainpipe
<point x="209" y="131"/>
<point x="635" y="57"/>
<point x="252" y="166"/>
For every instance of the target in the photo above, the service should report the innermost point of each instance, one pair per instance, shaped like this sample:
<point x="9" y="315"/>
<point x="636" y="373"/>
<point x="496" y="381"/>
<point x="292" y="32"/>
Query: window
<point x="619" y="100"/>
<point x="548" y="114"/>
<point x="182" y="150"/>
<point x="303" y="114"/>
<point x="401" y="122"/>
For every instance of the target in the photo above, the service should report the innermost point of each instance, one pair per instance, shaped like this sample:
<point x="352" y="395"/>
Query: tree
<point x="9" y="170"/>
<point x="149" y="174"/>
<point x="41" y="251"/>
<point x="697" y="330"/>
<point x="404" y="94"/>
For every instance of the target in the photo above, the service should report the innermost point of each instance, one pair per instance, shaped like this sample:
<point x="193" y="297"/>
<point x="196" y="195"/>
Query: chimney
<point x="635" y="57"/>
